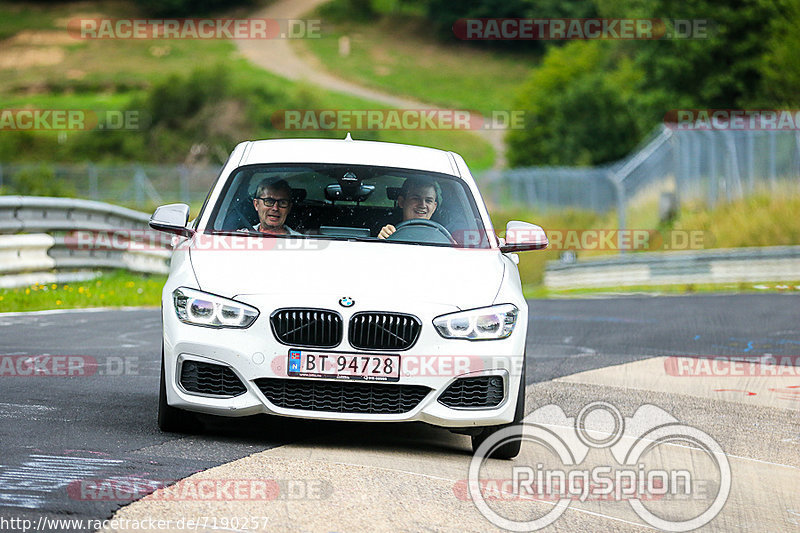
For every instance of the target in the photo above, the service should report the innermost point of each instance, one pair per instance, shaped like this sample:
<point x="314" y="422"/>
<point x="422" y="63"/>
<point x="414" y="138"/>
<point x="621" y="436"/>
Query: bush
<point x="204" y="107"/>
<point x="348" y="10"/>
<point x="781" y="63"/>
<point x="186" y="8"/>
<point x="40" y="181"/>
<point x="443" y="13"/>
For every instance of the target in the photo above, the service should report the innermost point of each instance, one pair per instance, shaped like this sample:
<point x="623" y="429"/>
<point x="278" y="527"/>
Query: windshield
<point x="361" y="202"/>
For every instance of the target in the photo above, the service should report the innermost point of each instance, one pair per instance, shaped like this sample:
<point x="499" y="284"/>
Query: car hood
<point x="464" y="278"/>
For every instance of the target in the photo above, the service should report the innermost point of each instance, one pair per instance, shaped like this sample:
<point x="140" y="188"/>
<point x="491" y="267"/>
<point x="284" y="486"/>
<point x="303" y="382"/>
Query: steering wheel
<point x="423" y="223"/>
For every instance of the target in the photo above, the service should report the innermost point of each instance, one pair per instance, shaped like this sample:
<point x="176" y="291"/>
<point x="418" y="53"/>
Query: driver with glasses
<point x="273" y="201"/>
<point x="418" y="198"/>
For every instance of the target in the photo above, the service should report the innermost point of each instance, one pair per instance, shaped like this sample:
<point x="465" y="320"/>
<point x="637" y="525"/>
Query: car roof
<point x="348" y="151"/>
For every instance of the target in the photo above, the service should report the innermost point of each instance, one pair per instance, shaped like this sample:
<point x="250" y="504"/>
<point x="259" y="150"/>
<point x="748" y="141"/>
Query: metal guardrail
<point x="130" y="183"/>
<point x="39" y="213"/>
<point x="729" y="265"/>
<point x="694" y="165"/>
<point x="38" y="242"/>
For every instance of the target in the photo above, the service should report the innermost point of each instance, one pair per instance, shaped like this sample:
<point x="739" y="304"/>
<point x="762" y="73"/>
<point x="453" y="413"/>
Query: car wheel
<point x="171" y="419"/>
<point x="511" y="449"/>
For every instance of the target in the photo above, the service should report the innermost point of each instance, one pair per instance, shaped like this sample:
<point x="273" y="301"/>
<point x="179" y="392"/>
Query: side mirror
<point x="522" y="236"/>
<point x="172" y="218"/>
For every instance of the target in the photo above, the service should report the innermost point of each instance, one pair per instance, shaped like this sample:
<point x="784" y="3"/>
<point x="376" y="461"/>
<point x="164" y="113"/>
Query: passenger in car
<point x="418" y="198"/>
<point x="273" y="201"/>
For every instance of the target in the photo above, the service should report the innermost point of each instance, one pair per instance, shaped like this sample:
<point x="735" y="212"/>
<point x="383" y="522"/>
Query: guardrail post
<point x="92" y="181"/>
<point x="678" y="160"/>
<point x="183" y="183"/>
<point x="773" y="174"/>
<point x="713" y="186"/>
<point x="619" y="188"/>
<point x="138" y="183"/>
<point x="750" y="152"/>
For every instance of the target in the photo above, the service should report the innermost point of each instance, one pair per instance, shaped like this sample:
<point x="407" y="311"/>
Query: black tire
<point x="171" y="419"/>
<point x="511" y="449"/>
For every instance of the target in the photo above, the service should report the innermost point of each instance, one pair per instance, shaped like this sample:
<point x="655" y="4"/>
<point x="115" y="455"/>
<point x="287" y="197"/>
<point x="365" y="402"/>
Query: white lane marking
<point x="45" y="474"/>
<point x="18" y="410"/>
<point x="80" y="310"/>
<point x="584" y="352"/>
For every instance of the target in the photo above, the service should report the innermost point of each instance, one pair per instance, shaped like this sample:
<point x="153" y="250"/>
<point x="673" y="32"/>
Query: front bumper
<point x="432" y="362"/>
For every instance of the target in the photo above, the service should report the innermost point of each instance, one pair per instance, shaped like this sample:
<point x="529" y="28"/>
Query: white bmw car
<point x="344" y="280"/>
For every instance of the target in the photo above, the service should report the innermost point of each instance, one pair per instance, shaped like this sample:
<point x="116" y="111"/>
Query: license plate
<point x="344" y="366"/>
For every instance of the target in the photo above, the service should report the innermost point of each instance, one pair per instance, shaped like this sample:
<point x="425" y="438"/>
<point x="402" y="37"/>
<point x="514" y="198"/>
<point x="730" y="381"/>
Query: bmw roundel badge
<point x="346" y="301"/>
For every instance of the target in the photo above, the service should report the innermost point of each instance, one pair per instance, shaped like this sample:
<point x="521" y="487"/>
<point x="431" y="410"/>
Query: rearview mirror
<point x="172" y="218"/>
<point x="522" y="236"/>
<point x="358" y="193"/>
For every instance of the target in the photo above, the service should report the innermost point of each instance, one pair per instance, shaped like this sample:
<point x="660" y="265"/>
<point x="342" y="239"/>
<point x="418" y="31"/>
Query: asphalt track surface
<point x="59" y="433"/>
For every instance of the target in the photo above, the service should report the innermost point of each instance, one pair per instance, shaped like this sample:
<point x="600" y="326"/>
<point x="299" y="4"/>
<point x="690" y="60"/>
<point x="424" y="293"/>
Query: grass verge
<point x="764" y="219"/>
<point x="53" y="70"/>
<point x="540" y="291"/>
<point x="114" y="289"/>
<point x="398" y="55"/>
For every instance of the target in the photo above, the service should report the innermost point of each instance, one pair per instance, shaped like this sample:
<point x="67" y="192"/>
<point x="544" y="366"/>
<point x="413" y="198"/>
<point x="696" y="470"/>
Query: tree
<point x="780" y="65"/>
<point x="577" y="108"/>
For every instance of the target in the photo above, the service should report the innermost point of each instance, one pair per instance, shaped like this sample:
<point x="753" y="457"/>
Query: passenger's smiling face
<point x="419" y="202"/>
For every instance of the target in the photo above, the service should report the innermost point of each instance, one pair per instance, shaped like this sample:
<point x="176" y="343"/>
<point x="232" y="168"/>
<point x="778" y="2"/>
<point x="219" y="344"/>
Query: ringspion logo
<point x="602" y="455"/>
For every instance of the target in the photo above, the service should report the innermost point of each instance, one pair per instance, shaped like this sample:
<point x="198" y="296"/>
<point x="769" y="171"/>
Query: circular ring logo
<point x="630" y="440"/>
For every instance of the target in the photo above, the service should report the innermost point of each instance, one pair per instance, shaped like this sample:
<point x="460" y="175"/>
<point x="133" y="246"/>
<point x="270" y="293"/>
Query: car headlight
<point x="496" y="322"/>
<point x="203" y="309"/>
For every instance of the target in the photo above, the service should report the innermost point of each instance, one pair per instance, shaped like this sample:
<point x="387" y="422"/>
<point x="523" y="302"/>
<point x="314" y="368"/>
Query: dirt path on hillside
<point x="277" y="56"/>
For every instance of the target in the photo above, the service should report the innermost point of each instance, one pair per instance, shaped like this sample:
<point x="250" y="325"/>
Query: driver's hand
<point x="387" y="230"/>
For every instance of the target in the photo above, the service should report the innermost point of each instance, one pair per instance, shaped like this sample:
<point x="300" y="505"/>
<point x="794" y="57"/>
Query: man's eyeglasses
<point x="283" y="203"/>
